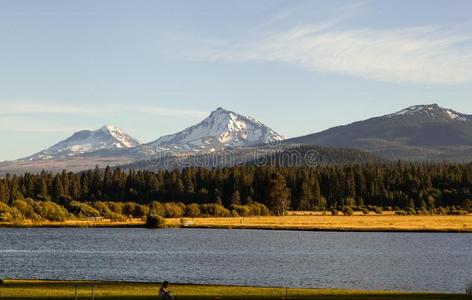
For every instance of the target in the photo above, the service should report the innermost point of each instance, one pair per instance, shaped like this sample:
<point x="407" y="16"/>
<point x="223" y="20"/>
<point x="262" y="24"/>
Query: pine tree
<point x="4" y="196"/>
<point x="305" y="201"/>
<point x="278" y="194"/>
<point x="57" y="188"/>
<point x="236" y="198"/>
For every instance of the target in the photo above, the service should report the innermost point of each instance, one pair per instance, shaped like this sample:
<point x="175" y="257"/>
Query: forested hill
<point x="275" y="155"/>
<point x="399" y="185"/>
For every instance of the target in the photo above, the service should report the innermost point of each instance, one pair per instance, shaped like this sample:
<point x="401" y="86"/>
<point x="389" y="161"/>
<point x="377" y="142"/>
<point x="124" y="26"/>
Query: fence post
<point x="75" y="288"/>
<point x="93" y="296"/>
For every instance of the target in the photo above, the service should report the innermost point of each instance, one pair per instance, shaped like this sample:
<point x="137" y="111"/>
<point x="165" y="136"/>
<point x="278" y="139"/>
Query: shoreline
<point x="381" y="223"/>
<point x="59" y="289"/>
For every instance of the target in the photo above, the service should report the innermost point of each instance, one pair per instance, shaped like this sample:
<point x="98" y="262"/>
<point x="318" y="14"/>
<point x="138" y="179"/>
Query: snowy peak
<point x="108" y="137"/>
<point x="123" y="140"/>
<point x="434" y="112"/>
<point x="221" y="129"/>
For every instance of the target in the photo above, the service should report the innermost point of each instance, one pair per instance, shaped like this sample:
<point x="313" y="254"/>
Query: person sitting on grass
<point x="164" y="292"/>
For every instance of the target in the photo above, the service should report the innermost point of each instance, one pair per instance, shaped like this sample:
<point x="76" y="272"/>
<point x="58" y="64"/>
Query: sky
<point x="156" y="67"/>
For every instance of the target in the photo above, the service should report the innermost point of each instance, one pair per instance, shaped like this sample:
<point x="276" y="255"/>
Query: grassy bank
<point x="30" y="289"/>
<point x="384" y="222"/>
<point x="341" y="223"/>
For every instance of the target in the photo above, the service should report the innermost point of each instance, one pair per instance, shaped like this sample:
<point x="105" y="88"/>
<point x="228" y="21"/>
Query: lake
<point x="350" y="260"/>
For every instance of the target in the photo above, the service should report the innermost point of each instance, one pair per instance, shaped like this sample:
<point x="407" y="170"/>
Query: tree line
<point x="396" y="186"/>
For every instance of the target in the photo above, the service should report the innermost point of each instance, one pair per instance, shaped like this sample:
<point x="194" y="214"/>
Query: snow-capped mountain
<point x="105" y="138"/>
<point x="432" y="111"/>
<point x="419" y="133"/>
<point x="220" y="130"/>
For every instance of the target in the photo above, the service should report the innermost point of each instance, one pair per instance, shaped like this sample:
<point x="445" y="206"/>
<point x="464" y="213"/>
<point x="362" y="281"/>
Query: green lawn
<point x="29" y="289"/>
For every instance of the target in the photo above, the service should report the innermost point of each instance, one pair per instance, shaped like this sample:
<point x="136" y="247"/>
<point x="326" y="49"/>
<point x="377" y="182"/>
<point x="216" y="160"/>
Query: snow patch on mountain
<point x="433" y="111"/>
<point x="108" y="137"/>
<point x="221" y="129"/>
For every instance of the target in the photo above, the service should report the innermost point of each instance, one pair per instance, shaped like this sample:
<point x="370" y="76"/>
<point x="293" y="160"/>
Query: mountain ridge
<point x="420" y="132"/>
<point x="221" y="129"/>
<point x="108" y="137"/>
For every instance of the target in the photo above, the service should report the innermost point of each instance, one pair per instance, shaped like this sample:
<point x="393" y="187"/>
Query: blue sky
<point x="156" y="67"/>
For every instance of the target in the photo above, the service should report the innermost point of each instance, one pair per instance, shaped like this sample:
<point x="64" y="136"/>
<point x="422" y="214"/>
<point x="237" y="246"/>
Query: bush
<point x="116" y="207"/>
<point x="214" y="210"/>
<point x="82" y="210"/>
<point x="441" y="211"/>
<point x="258" y="209"/>
<point x="157" y="208"/>
<point x="25" y="207"/>
<point x="102" y="208"/>
<point x="9" y="214"/>
<point x="378" y="210"/>
<point x="128" y="209"/>
<point x="241" y="210"/>
<point x="173" y="210"/>
<point x="50" y="211"/>
<point x="155" y="221"/>
<point x="401" y="213"/>
<point x="458" y="212"/>
<point x="365" y="211"/>
<point x="140" y="211"/>
<point x="334" y="212"/>
<point x="4" y="212"/>
<point x="192" y="210"/>
<point x="347" y="211"/>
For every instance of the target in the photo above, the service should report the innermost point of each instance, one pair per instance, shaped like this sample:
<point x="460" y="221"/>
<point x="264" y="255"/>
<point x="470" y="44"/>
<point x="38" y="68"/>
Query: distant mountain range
<point x="418" y="133"/>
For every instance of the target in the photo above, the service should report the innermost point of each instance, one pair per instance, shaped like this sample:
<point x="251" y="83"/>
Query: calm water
<point x="399" y="261"/>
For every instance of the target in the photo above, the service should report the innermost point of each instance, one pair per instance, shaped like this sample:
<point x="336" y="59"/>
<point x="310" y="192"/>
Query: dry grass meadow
<point x="294" y="221"/>
<point x="58" y="290"/>
<point x="384" y="222"/>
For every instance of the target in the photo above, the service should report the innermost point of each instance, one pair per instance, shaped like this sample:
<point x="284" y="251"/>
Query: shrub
<point x="441" y="211"/>
<point x="25" y="207"/>
<point x="9" y="214"/>
<point x="157" y="208"/>
<point x="102" y="208"/>
<point x="378" y="210"/>
<point x="128" y="209"/>
<point x="4" y="212"/>
<point x="82" y="210"/>
<point x="16" y="215"/>
<point x="214" y="210"/>
<point x="334" y="212"/>
<point x="347" y="211"/>
<point x="241" y="210"/>
<point x="50" y="211"/>
<point x="173" y="210"/>
<point x="365" y="211"/>
<point x="116" y="207"/>
<point x="140" y="211"/>
<point x="155" y="221"/>
<point x="258" y="209"/>
<point x="458" y="212"/>
<point x="192" y="210"/>
<point x="401" y="213"/>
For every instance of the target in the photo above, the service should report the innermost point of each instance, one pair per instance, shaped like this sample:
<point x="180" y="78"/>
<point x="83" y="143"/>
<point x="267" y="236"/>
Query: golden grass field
<point x="384" y="222"/>
<point x="36" y="289"/>
<point x="295" y="221"/>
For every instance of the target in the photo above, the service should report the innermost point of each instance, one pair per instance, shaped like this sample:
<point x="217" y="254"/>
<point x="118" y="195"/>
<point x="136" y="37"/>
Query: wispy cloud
<point x="15" y="124"/>
<point x="41" y="107"/>
<point x="428" y="55"/>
